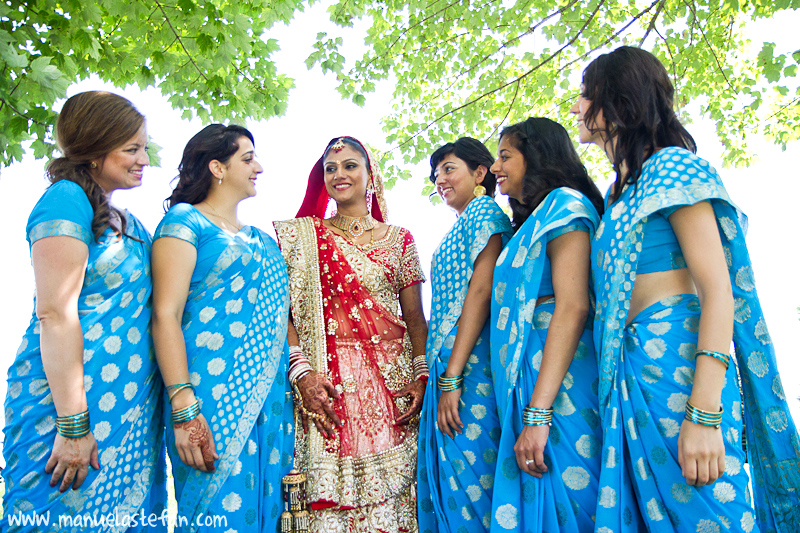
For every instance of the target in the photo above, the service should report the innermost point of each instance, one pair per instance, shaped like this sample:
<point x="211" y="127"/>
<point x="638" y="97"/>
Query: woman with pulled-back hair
<point x="83" y="408"/>
<point x="674" y="287"/>
<point x="459" y="430"/>
<point x="220" y="312"/>
<point x="543" y="363"/>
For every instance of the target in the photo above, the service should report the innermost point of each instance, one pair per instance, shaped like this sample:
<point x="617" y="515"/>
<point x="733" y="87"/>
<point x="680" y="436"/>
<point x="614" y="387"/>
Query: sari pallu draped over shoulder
<point x="565" y="498"/>
<point x="234" y="326"/>
<point x="121" y="380"/>
<point x="344" y="310"/>
<point x="454" y="476"/>
<point x="671" y="178"/>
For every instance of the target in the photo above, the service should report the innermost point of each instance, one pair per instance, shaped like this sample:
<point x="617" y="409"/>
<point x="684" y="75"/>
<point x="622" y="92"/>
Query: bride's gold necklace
<point x="354" y="227"/>
<point x="214" y="212"/>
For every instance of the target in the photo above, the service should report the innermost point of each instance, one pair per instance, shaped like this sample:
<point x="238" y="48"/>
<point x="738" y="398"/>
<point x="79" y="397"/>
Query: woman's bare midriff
<point x="655" y="286"/>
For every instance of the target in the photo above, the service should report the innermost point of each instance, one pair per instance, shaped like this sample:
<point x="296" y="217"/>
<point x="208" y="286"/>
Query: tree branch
<point x="508" y="112"/>
<point x="652" y="25"/>
<point x="23" y="115"/>
<point x="548" y="59"/>
<point x="166" y="18"/>
<point x="711" y="48"/>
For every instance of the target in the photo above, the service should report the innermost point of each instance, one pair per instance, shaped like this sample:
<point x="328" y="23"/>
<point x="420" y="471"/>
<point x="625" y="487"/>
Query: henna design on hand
<point x="199" y="435"/>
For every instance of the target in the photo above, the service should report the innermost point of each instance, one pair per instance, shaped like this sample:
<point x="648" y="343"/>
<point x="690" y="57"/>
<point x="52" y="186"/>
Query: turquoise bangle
<point x="537" y="416"/>
<point x="704" y="418"/>
<point x="449" y="383"/>
<point x="719" y="356"/>
<point x="73" y="426"/>
<point x="186" y="414"/>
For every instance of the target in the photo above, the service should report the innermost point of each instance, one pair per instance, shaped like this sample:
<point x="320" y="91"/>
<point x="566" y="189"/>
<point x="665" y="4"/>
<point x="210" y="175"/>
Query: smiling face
<point x="346" y="177"/>
<point x="509" y="168"/>
<point x="122" y="167"/>
<point x="242" y="169"/>
<point x="455" y="182"/>
<point x="588" y="133"/>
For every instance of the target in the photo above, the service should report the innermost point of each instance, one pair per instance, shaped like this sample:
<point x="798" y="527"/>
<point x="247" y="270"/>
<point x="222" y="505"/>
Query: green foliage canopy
<point x="211" y="58"/>
<point x="467" y="67"/>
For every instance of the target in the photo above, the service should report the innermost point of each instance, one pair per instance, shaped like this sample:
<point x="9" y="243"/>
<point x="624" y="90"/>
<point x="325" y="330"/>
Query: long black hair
<point x="214" y="142"/>
<point x="473" y="153"/>
<point x="632" y="90"/>
<point x="550" y="162"/>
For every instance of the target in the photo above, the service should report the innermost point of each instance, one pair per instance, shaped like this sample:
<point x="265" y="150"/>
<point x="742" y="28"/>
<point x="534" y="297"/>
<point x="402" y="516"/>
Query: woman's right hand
<point x="529" y="450"/>
<point x="195" y="444"/>
<point x="316" y="392"/>
<point x="70" y="459"/>
<point x="447" y="418"/>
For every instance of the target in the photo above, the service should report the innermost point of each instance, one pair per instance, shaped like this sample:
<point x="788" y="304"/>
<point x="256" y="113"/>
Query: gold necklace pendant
<point x="237" y="226"/>
<point x="353" y="226"/>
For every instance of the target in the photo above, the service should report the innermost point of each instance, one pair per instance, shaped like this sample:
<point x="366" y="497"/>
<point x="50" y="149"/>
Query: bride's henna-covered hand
<point x="415" y="389"/>
<point x="195" y="444"/>
<point x="316" y="390"/>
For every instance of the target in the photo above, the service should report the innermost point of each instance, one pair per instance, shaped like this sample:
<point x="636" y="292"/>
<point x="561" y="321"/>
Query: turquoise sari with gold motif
<point x="647" y="371"/>
<point x="123" y="387"/>
<point x="455" y="476"/>
<point x="234" y="327"/>
<point x="564" y="499"/>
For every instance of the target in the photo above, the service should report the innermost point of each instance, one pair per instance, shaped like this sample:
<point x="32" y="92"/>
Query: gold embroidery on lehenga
<point x="379" y="487"/>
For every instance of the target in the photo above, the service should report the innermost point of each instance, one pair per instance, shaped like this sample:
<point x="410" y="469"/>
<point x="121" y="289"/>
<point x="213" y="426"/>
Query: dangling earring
<point x="220" y="181"/>
<point x="479" y="190"/>
<point x="370" y="194"/>
<point x="93" y="164"/>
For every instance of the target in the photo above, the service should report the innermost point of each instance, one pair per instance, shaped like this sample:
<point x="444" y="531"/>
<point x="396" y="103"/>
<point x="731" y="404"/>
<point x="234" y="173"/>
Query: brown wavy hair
<point x="633" y="91"/>
<point x="92" y="124"/>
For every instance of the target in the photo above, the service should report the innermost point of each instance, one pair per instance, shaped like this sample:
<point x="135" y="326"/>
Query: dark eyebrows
<point x="353" y="159"/>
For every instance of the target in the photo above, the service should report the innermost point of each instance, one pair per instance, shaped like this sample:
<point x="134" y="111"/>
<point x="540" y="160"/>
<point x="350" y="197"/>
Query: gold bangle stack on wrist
<point x="719" y="356"/>
<point x="186" y="414"/>
<point x="73" y="426"/>
<point x="704" y="418"/>
<point x="173" y="390"/>
<point x="449" y="383"/>
<point x="537" y="416"/>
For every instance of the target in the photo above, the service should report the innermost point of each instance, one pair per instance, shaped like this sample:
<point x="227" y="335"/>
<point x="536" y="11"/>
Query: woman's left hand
<point x="701" y="453"/>
<point x="415" y="389"/>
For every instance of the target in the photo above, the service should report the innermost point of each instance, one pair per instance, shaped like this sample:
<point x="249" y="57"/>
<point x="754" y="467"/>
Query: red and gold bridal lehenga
<point x="344" y="301"/>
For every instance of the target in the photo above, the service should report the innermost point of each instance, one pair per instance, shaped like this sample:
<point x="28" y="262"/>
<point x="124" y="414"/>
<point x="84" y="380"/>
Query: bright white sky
<point x="287" y="147"/>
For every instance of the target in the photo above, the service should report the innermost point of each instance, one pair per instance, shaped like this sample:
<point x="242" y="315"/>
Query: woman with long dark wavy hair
<point x="674" y="286"/>
<point x="459" y="430"/>
<point x="220" y="315"/>
<point x="543" y="360"/>
<point x="83" y="408"/>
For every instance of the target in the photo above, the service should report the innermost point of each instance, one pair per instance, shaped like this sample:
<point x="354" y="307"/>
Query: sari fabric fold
<point x="454" y="476"/>
<point x="234" y="326"/>
<point x="647" y="368"/>
<point x="564" y="499"/>
<point x="121" y="379"/>
<point x="345" y="311"/>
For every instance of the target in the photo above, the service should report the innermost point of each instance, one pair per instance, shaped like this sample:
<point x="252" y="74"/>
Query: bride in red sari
<point x="357" y="364"/>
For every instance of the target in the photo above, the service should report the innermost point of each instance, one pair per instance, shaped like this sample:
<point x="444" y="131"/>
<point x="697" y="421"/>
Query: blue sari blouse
<point x="123" y="386"/>
<point x="454" y="476"/>
<point x="234" y="326"/>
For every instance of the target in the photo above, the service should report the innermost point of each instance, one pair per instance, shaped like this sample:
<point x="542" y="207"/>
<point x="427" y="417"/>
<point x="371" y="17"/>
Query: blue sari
<point x="647" y="370"/>
<point x="123" y="386"/>
<point x="454" y="476"/>
<point x="234" y="326"/>
<point x="564" y="499"/>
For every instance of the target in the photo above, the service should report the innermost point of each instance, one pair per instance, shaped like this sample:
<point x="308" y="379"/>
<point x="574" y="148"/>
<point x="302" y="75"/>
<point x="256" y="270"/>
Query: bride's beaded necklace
<point x="354" y="227"/>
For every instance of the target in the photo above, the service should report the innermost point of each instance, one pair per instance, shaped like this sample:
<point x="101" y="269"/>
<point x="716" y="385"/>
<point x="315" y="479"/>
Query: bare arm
<point x="701" y="451"/>
<point x="59" y="265"/>
<point x="173" y="261"/>
<point x="475" y="311"/>
<point x="569" y="260"/>
<point x="414" y="317"/>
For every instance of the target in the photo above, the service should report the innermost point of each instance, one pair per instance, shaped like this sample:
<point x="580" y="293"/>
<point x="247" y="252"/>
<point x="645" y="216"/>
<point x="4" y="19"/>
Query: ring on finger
<point x="529" y="461"/>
